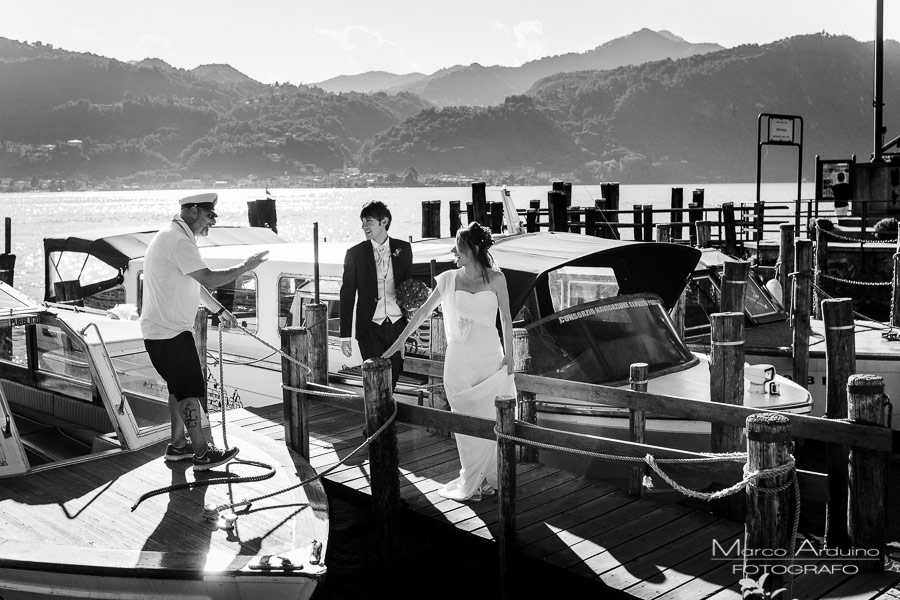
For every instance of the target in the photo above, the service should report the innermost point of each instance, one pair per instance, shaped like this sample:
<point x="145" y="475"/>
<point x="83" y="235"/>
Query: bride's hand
<point x="508" y="361"/>
<point x="393" y="350"/>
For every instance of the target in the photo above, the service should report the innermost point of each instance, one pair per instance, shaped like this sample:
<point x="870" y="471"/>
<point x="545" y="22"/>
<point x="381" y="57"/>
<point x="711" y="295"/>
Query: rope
<point x="274" y="349"/>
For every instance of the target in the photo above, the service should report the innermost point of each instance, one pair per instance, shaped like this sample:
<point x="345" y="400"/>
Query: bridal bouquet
<point x="412" y="294"/>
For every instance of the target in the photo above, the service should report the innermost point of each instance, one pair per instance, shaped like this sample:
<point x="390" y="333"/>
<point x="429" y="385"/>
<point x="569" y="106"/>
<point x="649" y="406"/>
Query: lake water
<point x="36" y="215"/>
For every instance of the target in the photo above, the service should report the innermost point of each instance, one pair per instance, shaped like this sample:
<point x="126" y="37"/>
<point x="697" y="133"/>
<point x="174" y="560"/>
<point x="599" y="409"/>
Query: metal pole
<point x="316" y="259"/>
<point x="878" y="101"/>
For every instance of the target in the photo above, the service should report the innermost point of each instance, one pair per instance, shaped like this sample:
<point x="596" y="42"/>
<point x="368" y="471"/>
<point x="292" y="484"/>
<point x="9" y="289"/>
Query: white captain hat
<point x="207" y="201"/>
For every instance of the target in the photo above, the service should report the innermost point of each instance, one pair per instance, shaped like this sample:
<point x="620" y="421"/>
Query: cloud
<point x="527" y="38"/>
<point x="367" y="49"/>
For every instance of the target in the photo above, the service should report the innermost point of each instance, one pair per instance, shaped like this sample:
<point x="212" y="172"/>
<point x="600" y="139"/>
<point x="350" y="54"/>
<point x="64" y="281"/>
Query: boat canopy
<point x="116" y="247"/>
<point x="639" y="267"/>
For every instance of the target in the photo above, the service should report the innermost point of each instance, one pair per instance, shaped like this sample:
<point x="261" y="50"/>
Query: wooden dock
<point x="644" y="548"/>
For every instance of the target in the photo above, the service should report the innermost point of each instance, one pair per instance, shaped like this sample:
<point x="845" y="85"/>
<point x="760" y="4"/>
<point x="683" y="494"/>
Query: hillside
<point x="690" y="119"/>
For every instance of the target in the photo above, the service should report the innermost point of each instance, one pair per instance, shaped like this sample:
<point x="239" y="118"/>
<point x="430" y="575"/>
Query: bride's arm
<point x="421" y="314"/>
<point x="498" y="283"/>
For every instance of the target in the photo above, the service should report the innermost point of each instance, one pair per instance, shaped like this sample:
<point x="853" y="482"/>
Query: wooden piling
<point x="638" y="211"/>
<point x="526" y="408"/>
<point x="759" y="212"/>
<point x="734" y="285"/>
<point x="604" y="228"/>
<point x="726" y="386"/>
<point x="431" y="218"/>
<point x="558" y="211"/>
<point x="730" y="228"/>
<point x="637" y="424"/>
<point x="295" y="343"/>
<point x="677" y="217"/>
<point x="802" y="295"/>
<point x="506" y="492"/>
<point x="697" y="197"/>
<point x="786" y="263"/>
<point x="531" y="221"/>
<point x="7" y="259"/>
<point x="704" y="233"/>
<point x="470" y="212"/>
<point x="840" y="364"/>
<point x="575" y="220"/>
<point x="590" y="221"/>
<point x="262" y="213"/>
<point x="383" y="465"/>
<point x="648" y="222"/>
<point x="455" y="220"/>
<point x="479" y="202"/>
<point x="315" y="317"/>
<point x="695" y="215"/>
<point x="496" y="217"/>
<point x="867" y="485"/>
<point x="437" y="350"/>
<point x="767" y="526"/>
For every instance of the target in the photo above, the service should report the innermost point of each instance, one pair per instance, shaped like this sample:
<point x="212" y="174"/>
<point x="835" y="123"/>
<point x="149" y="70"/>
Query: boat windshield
<point x="597" y="342"/>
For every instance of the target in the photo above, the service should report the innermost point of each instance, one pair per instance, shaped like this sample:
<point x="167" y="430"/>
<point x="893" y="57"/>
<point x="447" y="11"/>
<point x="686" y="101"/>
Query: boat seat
<point x="80" y="419"/>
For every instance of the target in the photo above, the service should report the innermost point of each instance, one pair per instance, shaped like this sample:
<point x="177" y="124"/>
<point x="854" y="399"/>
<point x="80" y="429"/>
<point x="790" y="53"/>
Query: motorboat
<point x="91" y="509"/>
<point x="768" y="336"/>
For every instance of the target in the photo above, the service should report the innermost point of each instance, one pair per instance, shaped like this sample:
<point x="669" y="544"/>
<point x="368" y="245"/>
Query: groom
<point x="373" y="270"/>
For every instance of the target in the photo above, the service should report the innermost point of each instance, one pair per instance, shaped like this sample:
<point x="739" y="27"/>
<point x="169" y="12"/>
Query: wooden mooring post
<point x="455" y="219"/>
<point x="895" y="287"/>
<point x="506" y="494"/>
<point x="295" y="343"/>
<point x="840" y="364"/>
<point x="730" y="228"/>
<point x="726" y="386"/>
<point x="637" y="424"/>
<point x="767" y="526"/>
<point x="785" y="263"/>
<point x="7" y="259"/>
<point x="383" y="465"/>
<point x="677" y="216"/>
<point x="496" y="217"/>
<point x="664" y="233"/>
<point x="437" y="349"/>
<point x="648" y="222"/>
<point x="557" y="211"/>
<point x="734" y="285"/>
<point x="695" y="215"/>
<point x="315" y="318"/>
<point x="431" y="218"/>
<point x="479" y="203"/>
<point x="821" y="258"/>
<point x="638" y="211"/>
<point x="802" y="295"/>
<point x="703" y="234"/>
<point x="868" y="405"/>
<point x="526" y="407"/>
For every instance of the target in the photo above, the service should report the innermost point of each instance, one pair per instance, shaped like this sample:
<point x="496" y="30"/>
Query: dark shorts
<point x="177" y="362"/>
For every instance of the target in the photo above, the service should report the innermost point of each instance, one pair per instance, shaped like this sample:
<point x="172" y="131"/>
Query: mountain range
<point x="646" y="108"/>
<point x="475" y="85"/>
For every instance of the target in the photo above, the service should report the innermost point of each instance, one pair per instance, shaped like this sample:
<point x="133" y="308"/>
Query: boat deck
<point x="645" y="548"/>
<point x="80" y="515"/>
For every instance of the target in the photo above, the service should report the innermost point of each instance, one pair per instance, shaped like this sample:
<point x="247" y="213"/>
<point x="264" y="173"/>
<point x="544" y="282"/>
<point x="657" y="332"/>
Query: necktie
<point x="381" y="259"/>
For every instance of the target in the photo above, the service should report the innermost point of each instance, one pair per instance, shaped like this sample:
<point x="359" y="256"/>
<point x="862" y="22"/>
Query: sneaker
<point x="213" y="458"/>
<point x="183" y="453"/>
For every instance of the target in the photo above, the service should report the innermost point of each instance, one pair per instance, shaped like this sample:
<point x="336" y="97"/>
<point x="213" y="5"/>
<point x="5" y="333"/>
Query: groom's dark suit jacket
<point x="361" y="280"/>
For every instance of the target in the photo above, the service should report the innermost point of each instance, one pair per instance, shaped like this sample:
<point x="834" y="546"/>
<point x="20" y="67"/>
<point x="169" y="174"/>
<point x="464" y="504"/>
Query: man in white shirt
<point x="176" y="279"/>
<point x="373" y="271"/>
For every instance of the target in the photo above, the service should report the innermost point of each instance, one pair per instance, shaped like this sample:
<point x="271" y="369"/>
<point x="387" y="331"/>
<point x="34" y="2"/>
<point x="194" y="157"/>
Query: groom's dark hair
<point x="377" y="210"/>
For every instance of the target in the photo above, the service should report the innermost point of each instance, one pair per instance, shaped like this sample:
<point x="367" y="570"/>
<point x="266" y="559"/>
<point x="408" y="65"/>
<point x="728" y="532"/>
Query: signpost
<point x="780" y="130"/>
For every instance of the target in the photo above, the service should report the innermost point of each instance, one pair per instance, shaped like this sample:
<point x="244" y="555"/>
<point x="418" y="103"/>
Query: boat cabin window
<point x="145" y="390"/>
<point x="329" y="293"/>
<point x="597" y="342"/>
<point x="288" y="306"/>
<point x="13" y="345"/>
<point x="63" y="360"/>
<point x="89" y="271"/>
<point x="571" y="286"/>
<point x="240" y="298"/>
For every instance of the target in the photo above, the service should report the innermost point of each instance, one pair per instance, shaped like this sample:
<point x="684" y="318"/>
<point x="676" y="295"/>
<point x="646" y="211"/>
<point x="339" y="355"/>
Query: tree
<point x="411" y="177"/>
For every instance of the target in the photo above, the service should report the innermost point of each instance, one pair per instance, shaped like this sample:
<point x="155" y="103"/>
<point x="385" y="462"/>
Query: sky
<point x="304" y="41"/>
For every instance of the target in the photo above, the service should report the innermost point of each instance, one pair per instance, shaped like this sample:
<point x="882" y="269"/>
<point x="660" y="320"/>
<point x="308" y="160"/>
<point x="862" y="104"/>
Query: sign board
<point x="781" y="130"/>
<point x="829" y="173"/>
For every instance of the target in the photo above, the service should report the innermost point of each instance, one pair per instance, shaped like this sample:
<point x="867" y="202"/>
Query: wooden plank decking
<point x="589" y="528"/>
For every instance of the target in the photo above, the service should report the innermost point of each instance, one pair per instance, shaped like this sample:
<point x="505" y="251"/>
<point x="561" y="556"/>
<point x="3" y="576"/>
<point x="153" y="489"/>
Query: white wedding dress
<point x="474" y="375"/>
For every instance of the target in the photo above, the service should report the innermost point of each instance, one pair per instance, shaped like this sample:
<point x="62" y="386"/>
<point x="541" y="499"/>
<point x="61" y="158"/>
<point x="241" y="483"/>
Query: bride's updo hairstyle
<point x="478" y="240"/>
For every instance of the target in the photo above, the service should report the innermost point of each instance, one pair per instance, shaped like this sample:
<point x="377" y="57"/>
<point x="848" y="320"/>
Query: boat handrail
<point x="112" y="367"/>
<point x="7" y="425"/>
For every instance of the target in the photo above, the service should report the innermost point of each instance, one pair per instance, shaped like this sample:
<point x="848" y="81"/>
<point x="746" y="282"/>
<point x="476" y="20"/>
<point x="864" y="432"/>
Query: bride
<point x="477" y="368"/>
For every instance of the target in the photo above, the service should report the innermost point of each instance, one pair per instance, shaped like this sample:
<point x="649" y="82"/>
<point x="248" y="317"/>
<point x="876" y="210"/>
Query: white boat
<point x="768" y="336"/>
<point x="551" y="276"/>
<point x="84" y="424"/>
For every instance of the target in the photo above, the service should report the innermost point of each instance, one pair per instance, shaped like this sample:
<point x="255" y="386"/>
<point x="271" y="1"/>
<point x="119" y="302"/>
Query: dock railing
<point x="866" y="436"/>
